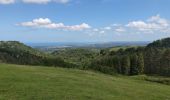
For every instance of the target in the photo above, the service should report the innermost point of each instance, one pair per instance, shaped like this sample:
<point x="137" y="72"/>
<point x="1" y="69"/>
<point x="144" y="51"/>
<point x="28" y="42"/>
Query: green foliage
<point x="157" y="59"/>
<point x="156" y="79"/>
<point x="128" y="61"/>
<point x="140" y="63"/>
<point x="126" y="65"/>
<point x="78" y="56"/>
<point x="165" y="63"/>
<point x="153" y="59"/>
<point x="18" y="53"/>
<point x="163" y="43"/>
<point x="134" y="65"/>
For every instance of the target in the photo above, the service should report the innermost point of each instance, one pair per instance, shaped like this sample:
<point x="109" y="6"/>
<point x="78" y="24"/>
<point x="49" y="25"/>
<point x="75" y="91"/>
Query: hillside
<point x="78" y="56"/>
<point x="20" y="47"/>
<point x="18" y="53"/>
<point x="154" y="59"/>
<point x="37" y="83"/>
<point x="163" y="43"/>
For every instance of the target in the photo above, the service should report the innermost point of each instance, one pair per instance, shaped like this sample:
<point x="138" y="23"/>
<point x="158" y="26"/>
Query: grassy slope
<point x="121" y="47"/>
<point x="42" y="83"/>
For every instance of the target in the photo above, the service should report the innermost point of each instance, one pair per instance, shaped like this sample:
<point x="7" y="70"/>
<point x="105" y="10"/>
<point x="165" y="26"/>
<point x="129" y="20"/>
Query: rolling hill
<point x="44" y="83"/>
<point x="162" y="43"/>
<point x="18" y="53"/>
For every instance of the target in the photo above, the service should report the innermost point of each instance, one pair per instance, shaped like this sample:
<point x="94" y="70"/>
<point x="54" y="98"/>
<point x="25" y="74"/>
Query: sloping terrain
<point x="18" y="53"/>
<point x="19" y="82"/>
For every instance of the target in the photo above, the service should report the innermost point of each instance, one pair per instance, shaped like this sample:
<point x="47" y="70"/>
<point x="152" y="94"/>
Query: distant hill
<point x="51" y="47"/>
<point x="17" y="46"/>
<point x="163" y="43"/>
<point x="18" y="53"/>
<point x="78" y="56"/>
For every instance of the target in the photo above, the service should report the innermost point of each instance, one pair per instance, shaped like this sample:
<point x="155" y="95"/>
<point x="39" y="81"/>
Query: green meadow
<point x="19" y="82"/>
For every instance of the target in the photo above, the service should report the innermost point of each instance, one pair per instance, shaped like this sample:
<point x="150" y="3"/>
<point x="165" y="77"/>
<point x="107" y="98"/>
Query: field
<point x="44" y="83"/>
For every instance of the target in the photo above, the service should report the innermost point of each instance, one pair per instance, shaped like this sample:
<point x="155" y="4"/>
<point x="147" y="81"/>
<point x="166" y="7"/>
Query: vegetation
<point x="157" y="59"/>
<point x="17" y="53"/>
<point x="157" y="79"/>
<point x="20" y="82"/>
<point x="153" y="59"/>
<point x="79" y="56"/>
<point x="128" y="62"/>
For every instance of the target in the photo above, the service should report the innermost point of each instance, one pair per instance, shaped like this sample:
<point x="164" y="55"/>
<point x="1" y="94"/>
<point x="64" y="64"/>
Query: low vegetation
<point x="20" y="82"/>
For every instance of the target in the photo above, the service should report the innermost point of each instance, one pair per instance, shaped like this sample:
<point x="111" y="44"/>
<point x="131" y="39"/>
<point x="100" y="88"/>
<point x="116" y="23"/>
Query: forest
<point x="152" y="59"/>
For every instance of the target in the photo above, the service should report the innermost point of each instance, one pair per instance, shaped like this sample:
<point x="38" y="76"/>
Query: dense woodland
<point x="154" y="59"/>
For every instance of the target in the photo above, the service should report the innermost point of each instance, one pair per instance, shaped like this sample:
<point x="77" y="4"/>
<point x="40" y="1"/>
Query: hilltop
<point x="162" y="43"/>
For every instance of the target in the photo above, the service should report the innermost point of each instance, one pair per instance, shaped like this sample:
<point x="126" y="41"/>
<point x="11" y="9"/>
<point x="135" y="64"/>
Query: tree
<point x="134" y="65"/>
<point x="140" y="63"/>
<point x="125" y="65"/>
<point x="165" y="63"/>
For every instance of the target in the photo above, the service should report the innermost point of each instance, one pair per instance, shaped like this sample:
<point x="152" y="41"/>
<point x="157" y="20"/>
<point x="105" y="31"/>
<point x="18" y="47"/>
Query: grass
<point x="157" y="79"/>
<point x="116" y="48"/>
<point x="43" y="83"/>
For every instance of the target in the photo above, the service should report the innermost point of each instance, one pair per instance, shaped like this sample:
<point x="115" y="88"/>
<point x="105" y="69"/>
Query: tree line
<point x="153" y="59"/>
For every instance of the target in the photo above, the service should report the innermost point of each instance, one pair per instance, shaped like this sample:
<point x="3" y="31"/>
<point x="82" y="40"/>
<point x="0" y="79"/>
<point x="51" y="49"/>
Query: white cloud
<point x="62" y="1"/>
<point x="45" y="1"/>
<point x="34" y="1"/>
<point x="37" y="1"/>
<point x="7" y="1"/>
<point x="102" y="32"/>
<point x="47" y="23"/>
<point x="154" y="23"/>
<point x="116" y="25"/>
<point x="107" y="28"/>
<point x="95" y="30"/>
<point x="120" y="29"/>
<point x="141" y="25"/>
<point x="157" y="19"/>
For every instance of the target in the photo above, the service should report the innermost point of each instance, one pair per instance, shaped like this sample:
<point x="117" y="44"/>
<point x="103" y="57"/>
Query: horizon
<point x="79" y="21"/>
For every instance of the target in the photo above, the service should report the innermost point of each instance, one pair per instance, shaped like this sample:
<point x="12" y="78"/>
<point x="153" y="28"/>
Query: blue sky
<point x="84" y="20"/>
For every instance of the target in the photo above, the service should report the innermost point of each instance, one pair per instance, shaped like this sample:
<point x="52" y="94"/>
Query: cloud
<point x="157" y="19"/>
<point x="141" y="25"/>
<point x="45" y="1"/>
<point x="37" y="1"/>
<point x="107" y="28"/>
<point x="47" y="23"/>
<point x="154" y="23"/>
<point x="120" y="29"/>
<point x="62" y="1"/>
<point x="7" y="1"/>
<point x="102" y="32"/>
<point x="95" y="30"/>
<point x="34" y="1"/>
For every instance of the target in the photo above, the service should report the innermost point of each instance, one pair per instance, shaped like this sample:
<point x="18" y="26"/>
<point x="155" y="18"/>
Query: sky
<point x="84" y="20"/>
